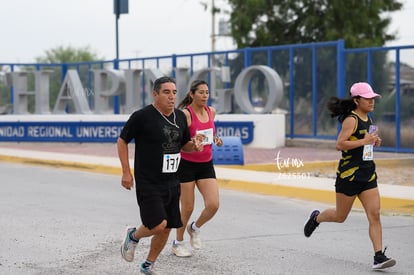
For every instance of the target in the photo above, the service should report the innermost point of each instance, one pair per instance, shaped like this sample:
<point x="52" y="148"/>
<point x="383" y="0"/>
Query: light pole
<point x="120" y="6"/>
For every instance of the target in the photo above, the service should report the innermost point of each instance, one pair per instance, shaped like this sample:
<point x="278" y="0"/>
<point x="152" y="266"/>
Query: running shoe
<point x="194" y="237"/>
<point x="381" y="261"/>
<point x="311" y="223"/>
<point x="147" y="270"/>
<point x="128" y="246"/>
<point x="180" y="250"/>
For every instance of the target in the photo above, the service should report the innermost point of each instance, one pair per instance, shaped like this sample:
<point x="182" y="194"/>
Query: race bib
<point x="368" y="153"/>
<point x="170" y="163"/>
<point x="208" y="136"/>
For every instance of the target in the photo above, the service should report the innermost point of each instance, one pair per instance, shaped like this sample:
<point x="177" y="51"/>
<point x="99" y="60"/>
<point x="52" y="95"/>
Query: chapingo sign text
<point x="136" y="85"/>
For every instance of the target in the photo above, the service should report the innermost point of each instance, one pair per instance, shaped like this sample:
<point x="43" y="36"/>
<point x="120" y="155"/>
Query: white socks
<point x="194" y="227"/>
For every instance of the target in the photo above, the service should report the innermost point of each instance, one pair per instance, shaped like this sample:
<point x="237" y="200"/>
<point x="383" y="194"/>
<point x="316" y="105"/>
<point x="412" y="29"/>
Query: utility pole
<point x="213" y="28"/>
<point x="223" y="31"/>
<point x="213" y="49"/>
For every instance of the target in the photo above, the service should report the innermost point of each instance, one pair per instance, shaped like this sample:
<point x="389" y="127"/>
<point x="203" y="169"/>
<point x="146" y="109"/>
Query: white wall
<point x="269" y="129"/>
<point x="268" y="132"/>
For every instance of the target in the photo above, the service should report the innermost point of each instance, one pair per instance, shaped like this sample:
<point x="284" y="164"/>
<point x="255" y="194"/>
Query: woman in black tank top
<point x="355" y="176"/>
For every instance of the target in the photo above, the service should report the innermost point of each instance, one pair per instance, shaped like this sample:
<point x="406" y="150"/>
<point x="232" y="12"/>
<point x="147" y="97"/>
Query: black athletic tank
<point x="351" y="166"/>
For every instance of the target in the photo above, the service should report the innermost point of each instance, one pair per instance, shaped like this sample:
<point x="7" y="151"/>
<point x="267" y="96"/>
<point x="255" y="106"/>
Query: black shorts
<point x="352" y="188"/>
<point x="192" y="171"/>
<point x="156" y="206"/>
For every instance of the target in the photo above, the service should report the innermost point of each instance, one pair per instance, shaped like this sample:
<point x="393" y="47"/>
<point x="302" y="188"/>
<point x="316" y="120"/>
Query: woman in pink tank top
<point x="196" y="169"/>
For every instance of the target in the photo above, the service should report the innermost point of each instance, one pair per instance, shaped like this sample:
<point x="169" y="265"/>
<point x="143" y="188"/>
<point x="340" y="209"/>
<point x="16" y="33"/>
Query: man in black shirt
<point x="160" y="132"/>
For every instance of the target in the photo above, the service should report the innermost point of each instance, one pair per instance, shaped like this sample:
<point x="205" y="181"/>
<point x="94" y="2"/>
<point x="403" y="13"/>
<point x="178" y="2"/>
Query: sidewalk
<point x="295" y="172"/>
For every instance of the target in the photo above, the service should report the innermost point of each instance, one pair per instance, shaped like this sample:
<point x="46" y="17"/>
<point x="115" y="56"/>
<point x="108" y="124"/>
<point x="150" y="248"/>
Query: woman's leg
<point x="210" y="192"/>
<point x="370" y="200"/>
<point x="187" y="207"/>
<point x="340" y="213"/>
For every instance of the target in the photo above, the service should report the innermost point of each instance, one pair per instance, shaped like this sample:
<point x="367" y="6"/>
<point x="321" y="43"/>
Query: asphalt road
<point x="57" y="221"/>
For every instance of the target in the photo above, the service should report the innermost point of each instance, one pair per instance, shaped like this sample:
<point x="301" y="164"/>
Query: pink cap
<point x="364" y="90"/>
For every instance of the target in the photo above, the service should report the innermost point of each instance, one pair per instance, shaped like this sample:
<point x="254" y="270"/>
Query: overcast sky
<point x="151" y="28"/>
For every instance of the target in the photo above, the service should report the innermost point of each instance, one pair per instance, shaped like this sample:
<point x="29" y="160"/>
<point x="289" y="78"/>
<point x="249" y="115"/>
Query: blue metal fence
<point x="311" y="73"/>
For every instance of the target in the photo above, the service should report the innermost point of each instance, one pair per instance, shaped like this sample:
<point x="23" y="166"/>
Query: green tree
<point x="4" y="92"/>
<point x="68" y="54"/>
<point x="361" y="23"/>
<point x="72" y="58"/>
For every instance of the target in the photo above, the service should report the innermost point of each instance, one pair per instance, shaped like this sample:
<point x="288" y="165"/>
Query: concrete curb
<point x="96" y="168"/>
<point x="259" y="179"/>
<point x="388" y="205"/>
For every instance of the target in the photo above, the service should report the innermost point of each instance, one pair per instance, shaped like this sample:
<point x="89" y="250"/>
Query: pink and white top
<point x="208" y="130"/>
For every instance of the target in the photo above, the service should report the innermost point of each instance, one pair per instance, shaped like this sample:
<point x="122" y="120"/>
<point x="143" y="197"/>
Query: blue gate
<point x="311" y="73"/>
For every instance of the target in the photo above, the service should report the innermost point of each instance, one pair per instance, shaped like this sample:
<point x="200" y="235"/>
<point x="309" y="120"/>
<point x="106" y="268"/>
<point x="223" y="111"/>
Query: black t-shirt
<point x="156" y="144"/>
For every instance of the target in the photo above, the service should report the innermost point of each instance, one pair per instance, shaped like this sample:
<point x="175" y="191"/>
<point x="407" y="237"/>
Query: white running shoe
<point x="180" y="250"/>
<point x="128" y="246"/>
<point x="194" y="237"/>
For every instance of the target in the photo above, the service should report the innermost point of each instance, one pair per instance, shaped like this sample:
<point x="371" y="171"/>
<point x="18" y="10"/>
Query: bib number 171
<point x="170" y="163"/>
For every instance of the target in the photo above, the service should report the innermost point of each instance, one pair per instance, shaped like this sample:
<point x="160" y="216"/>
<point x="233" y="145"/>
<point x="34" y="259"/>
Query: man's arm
<point x="127" y="178"/>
